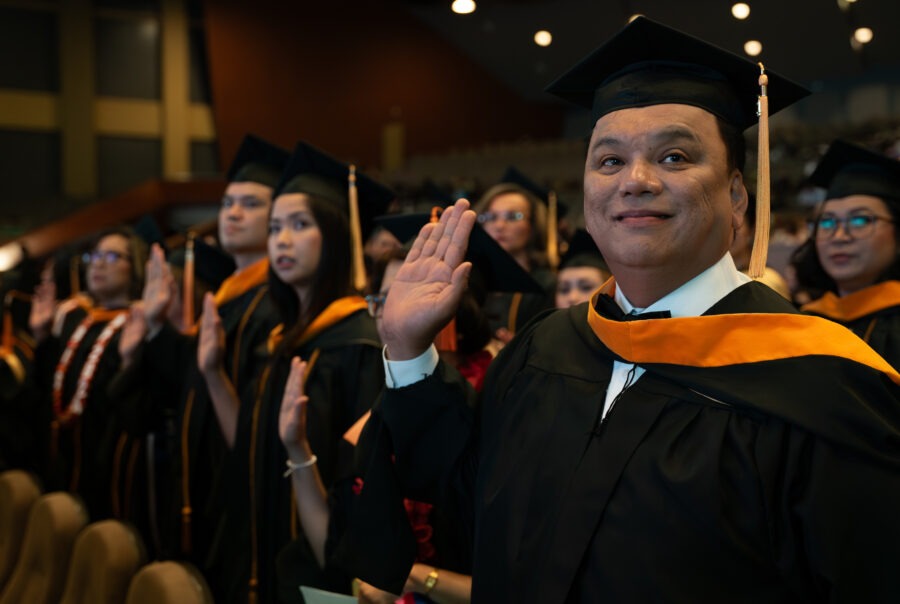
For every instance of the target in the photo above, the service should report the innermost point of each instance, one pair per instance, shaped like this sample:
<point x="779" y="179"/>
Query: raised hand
<point x="157" y="288"/>
<point x="43" y="308"/>
<point x="211" y="345"/>
<point x="428" y="287"/>
<point x="292" y="418"/>
<point x="133" y="333"/>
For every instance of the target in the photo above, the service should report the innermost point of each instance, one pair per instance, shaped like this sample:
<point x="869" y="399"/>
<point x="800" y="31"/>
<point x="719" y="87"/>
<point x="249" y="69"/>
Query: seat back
<point x="168" y="582"/>
<point x="40" y="573"/>
<point x="18" y="492"/>
<point x="107" y="554"/>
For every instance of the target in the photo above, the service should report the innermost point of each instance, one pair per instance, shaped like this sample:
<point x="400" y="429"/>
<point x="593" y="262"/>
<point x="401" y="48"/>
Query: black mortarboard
<point x="515" y="176"/>
<point x="582" y="251"/>
<point x="312" y="171"/>
<point x="432" y="193"/>
<point x="847" y="169"/>
<point x="211" y="264"/>
<point x="500" y="271"/>
<point x="257" y="161"/>
<point x="648" y="63"/>
<point x="148" y="229"/>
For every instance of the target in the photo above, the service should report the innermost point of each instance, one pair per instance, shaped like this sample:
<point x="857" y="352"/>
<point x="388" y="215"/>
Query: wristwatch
<point x="431" y="580"/>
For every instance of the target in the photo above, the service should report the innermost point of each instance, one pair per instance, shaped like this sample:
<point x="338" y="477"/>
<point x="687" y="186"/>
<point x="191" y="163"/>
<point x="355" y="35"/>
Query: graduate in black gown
<point x="146" y="410"/>
<point x="853" y="255"/>
<point x="77" y="356"/>
<point x="247" y="317"/>
<point x="514" y="213"/>
<point x="324" y="321"/>
<point x="19" y="416"/>
<point x="725" y="449"/>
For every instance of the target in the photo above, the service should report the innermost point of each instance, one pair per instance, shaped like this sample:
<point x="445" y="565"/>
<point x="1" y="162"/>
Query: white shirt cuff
<point x="398" y="374"/>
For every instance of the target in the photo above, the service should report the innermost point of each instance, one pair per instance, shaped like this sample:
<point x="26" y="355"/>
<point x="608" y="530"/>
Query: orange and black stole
<point x="754" y="351"/>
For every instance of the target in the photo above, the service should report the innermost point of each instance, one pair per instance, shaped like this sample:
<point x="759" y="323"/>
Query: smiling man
<point x="727" y="449"/>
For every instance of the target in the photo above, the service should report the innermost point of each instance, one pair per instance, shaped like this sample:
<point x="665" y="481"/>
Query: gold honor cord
<point x="759" y="255"/>
<point x="359" y="267"/>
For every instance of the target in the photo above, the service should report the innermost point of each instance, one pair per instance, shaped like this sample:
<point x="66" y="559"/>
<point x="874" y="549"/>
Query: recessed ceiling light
<point x="740" y="10"/>
<point x="463" y="7"/>
<point x="863" y="35"/>
<point x="753" y="47"/>
<point x="543" y="38"/>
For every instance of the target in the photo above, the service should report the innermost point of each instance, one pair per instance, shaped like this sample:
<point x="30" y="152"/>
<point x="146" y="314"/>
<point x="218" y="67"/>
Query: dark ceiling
<point x="806" y="40"/>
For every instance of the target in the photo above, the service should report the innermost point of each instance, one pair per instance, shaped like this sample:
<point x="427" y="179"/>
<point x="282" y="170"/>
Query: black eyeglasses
<point x="375" y="303"/>
<point x="858" y="226"/>
<point x="508" y="216"/>
<point x="108" y="256"/>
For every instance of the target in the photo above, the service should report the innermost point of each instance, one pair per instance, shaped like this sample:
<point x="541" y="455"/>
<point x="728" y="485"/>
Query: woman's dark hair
<point x="812" y="276"/>
<point x="330" y="281"/>
<point x="137" y="251"/>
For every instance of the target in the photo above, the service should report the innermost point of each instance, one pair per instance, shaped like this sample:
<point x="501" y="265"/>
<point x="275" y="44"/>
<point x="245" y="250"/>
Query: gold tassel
<point x="187" y="284"/>
<point x="760" y="251"/>
<point x="552" y="231"/>
<point x="359" y="267"/>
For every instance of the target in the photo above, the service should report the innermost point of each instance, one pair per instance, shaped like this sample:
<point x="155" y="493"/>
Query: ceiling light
<point x="740" y="10"/>
<point x="753" y="47"/>
<point x="463" y="7"/>
<point x="863" y="35"/>
<point x="543" y="38"/>
<point x="10" y="255"/>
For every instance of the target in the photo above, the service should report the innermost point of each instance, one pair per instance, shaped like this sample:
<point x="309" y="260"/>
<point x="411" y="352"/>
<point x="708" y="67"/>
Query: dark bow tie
<point x="607" y="307"/>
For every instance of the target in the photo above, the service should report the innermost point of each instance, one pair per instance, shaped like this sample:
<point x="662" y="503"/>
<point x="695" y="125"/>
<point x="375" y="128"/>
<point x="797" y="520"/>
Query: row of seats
<point x="50" y="554"/>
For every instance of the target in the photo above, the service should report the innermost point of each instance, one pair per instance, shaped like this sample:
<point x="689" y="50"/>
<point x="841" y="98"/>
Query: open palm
<point x="428" y="287"/>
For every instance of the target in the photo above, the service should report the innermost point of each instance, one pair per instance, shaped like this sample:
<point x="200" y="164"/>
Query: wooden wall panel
<point x="336" y="72"/>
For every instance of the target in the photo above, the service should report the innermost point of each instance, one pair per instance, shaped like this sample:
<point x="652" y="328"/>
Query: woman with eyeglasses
<point x="285" y="487"/>
<point x="852" y="256"/>
<point x="516" y="218"/>
<point x="77" y="355"/>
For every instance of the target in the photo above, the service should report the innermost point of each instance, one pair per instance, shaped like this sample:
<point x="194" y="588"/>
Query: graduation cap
<point x="515" y="176"/>
<point x="583" y="252"/>
<point x="257" y="161"/>
<point x="436" y="195"/>
<point x="211" y="264"/>
<point x="148" y="229"/>
<point x="312" y="171"/>
<point x="500" y="271"/>
<point x="848" y="169"/>
<point x="648" y="63"/>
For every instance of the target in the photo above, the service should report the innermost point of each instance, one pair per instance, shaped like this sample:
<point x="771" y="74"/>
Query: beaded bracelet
<point x="291" y="466"/>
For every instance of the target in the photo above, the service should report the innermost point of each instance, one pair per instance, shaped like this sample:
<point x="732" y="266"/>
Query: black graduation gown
<point x="513" y="310"/>
<point x="736" y="469"/>
<point x="872" y="313"/>
<point x="19" y="429"/>
<point x="201" y="451"/>
<point x="144" y="471"/>
<point x="345" y="377"/>
<point x="82" y="450"/>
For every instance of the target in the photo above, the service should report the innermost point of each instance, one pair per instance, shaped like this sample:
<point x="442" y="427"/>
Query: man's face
<point x="244" y="217"/>
<point x="658" y="194"/>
